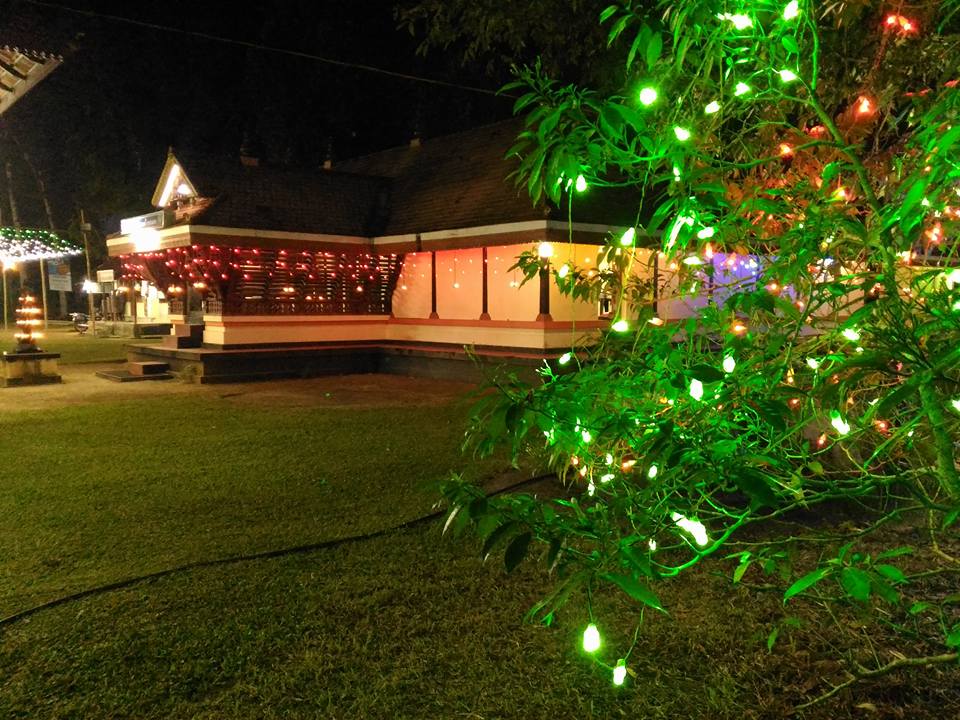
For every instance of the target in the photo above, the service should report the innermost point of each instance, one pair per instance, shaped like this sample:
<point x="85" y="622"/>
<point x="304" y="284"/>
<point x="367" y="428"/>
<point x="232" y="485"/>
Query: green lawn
<point x="408" y="625"/>
<point x="75" y="348"/>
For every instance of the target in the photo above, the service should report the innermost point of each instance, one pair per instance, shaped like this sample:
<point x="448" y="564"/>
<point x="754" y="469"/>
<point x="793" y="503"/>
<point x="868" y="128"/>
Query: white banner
<point x="59" y="273"/>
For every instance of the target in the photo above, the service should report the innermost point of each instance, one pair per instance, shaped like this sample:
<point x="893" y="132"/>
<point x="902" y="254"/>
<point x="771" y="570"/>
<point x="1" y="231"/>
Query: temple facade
<point x="407" y="249"/>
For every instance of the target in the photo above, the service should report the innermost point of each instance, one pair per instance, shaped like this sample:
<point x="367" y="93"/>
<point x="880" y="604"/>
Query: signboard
<point x="105" y="276"/>
<point x="59" y="274"/>
<point x="150" y="221"/>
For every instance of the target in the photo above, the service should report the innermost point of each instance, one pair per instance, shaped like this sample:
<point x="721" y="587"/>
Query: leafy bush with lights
<point x="798" y="184"/>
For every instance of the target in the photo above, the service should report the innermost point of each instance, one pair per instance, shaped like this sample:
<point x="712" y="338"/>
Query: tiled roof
<point x="284" y="199"/>
<point x="445" y="183"/>
<point x="460" y="180"/>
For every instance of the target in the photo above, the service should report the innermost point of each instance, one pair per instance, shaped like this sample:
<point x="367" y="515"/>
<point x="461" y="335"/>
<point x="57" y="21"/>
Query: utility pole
<point x="91" y="314"/>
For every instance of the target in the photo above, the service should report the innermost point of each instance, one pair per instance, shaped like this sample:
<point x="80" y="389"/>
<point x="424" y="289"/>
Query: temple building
<point x="400" y="255"/>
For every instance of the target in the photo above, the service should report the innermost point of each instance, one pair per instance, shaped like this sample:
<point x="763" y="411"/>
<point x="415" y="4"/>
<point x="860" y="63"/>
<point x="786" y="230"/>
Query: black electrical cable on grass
<point x="295" y="550"/>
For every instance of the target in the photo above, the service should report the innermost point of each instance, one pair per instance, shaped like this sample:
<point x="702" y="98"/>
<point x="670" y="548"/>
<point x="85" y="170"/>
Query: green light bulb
<point x="652" y="472"/>
<point x="694" y="527"/>
<point x="587" y="436"/>
<point x="648" y="96"/>
<point x="620" y="673"/>
<point x="628" y="236"/>
<point x="813" y="363"/>
<point x="851" y="334"/>
<point x="956" y="404"/>
<point x="787" y="76"/>
<point x="729" y="364"/>
<point x="682" y="133"/>
<point x="741" y="89"/>
<point x="591" y="639"/>
<point x="839" y="424"/>
<point x="707" y="233"/>
<point x="712" y="107"/>
<point x="563" y="271"/>
<point x="581" y="183"/>
<point x="792" y="10"/>
<point x="565" y="358"/>
<point x="620" y="326"/>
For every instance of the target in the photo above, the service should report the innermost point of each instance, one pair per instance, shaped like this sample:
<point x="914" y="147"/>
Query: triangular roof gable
<point x="172" y="178"/>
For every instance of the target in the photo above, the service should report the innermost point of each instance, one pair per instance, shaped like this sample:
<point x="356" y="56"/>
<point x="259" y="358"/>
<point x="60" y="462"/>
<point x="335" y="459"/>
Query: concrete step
<point x="123" y="376"/>
<point x="147" y="368"/>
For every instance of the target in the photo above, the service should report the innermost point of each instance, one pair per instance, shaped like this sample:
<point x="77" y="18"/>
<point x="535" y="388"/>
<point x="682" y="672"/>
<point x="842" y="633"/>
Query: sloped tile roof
<point x="284" y="199"/>
<point x="460" y="180"/>
<point x="446" y="183"/>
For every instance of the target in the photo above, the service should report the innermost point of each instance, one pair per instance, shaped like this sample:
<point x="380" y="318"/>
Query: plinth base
<point x="34" y="368"/>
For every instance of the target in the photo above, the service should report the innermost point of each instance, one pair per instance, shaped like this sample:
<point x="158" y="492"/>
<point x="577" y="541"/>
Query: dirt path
<point x="81" y="386"/>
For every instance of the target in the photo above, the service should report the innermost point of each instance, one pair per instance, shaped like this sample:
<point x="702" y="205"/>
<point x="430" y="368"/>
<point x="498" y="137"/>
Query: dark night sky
<point x="99" y="126"/>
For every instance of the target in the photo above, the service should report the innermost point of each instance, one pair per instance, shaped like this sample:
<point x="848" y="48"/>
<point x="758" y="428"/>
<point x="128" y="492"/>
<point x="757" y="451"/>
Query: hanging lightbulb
<point x="563" y="271"/>
<point x="682" y="133"/>
<point x="620" y="326"/>
<point x="839" y="424"/>
<point x="648" y="96"/>
<point x="712" y="107"/>
<point x="787" y="76"/>
<point x="741" y="89"/>
<point x="620" y="672"/>
<point x="696" y="389"/>
<point x="707" y="233"/>
<point x="591" y="639"/>
<point x="565" y="358"/>
<point x="792" y="10"/>
<point x="729" y="364"/>
<point x="545" y="250"/>
<point x="694" y="527"/>
<point x="581" y="184"/>
<point x="628" y="237"/>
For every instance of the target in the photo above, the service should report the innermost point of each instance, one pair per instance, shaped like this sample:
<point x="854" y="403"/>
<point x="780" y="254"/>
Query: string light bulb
<point x="681" y="133"/>
<point x="628" y="237"/>
<point x="712" y="107"/>
<point x="581" y="184"/>
<point x="591" y="638"/>
<point x="792" y="10"/>
<point x="648" y="96"/>
<point x="620" y="672"/>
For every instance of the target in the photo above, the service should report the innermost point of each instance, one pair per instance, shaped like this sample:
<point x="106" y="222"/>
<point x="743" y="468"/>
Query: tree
<point x="798" y="168"/>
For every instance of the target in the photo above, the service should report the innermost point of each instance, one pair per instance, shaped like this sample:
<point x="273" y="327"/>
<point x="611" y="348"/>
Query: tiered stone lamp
<point x="28" y="364"/>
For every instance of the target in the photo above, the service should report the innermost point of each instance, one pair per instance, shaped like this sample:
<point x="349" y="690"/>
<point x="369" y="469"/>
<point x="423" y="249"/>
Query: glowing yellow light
<point x="545" y="250"/>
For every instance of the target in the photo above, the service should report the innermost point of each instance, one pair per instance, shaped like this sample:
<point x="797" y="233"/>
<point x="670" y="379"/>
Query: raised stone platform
<point x="30" y="368"/>
<point x="220" y="365"/>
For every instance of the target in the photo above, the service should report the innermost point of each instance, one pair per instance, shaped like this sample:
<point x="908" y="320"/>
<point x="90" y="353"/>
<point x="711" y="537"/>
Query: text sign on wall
<point x="59" y="273"/>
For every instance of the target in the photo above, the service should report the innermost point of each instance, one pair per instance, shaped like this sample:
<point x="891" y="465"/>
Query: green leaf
<point x="895" y="552"/>
<point x="919" y="607"/>
<point x="742" y="568"/>
<point x="654" y="48"/>
<point x="855" y="583"/>
<point x="953" y="637"/>
<point x="496" y="536"/>
<point x="790" y="44"/>
<point x="805" y="583"/>
<point x="517" y="550"/>
<point x="772" y="638"/>
<point x="891" y="573"/>
<point x="635" y="589"/>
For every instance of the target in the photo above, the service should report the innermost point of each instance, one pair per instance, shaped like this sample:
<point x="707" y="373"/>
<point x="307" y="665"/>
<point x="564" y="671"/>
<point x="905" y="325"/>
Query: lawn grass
<point x="101" y="492"/>
<point x="75" y="348"/>
<point x="410" y="624"/>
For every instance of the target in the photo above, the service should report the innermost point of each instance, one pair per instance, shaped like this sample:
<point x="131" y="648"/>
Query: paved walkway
<point x="81" y="386"/>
